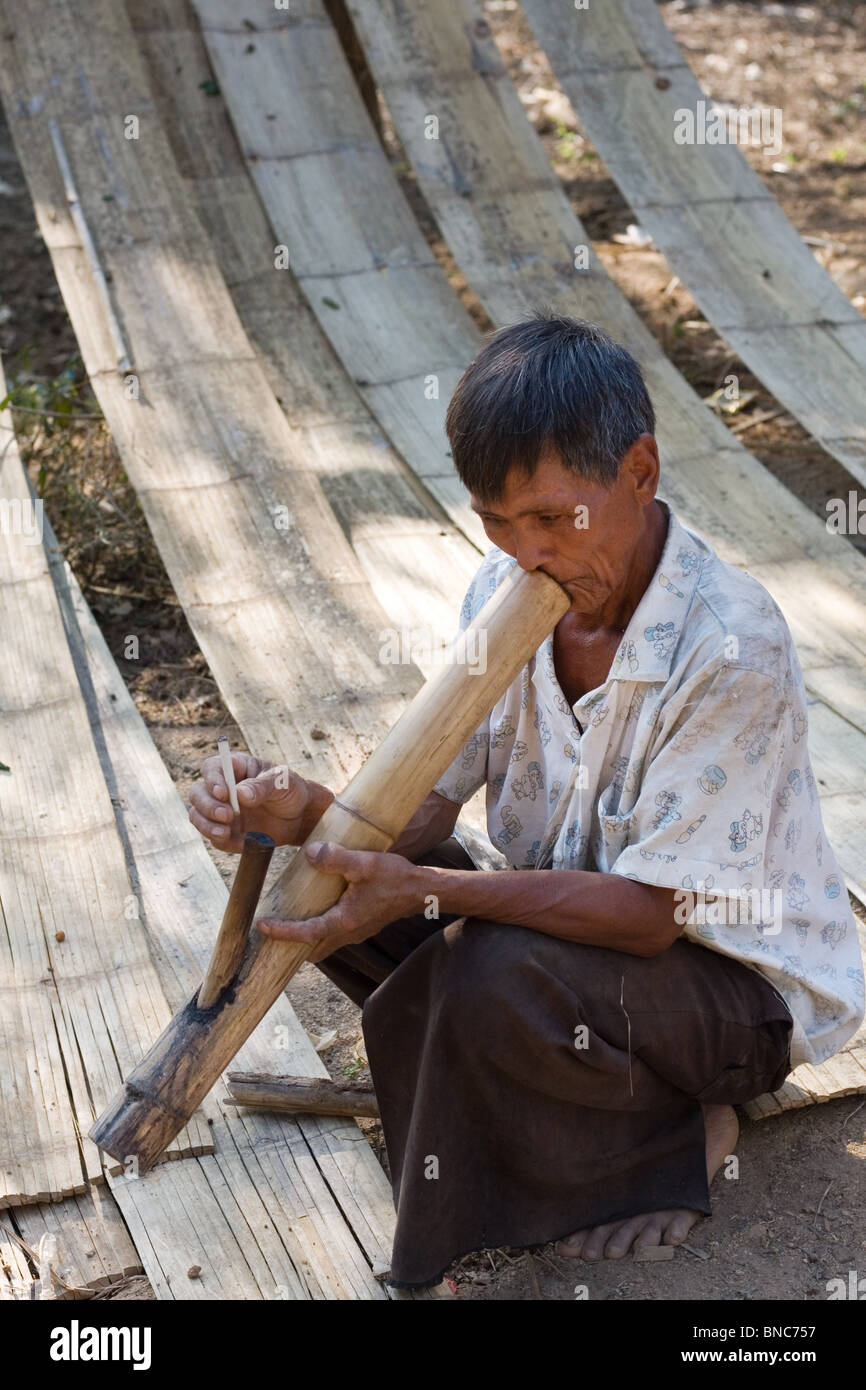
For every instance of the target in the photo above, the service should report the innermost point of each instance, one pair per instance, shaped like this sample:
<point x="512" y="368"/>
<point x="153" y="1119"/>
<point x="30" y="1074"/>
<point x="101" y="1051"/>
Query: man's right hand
<point x="272" y="800"/>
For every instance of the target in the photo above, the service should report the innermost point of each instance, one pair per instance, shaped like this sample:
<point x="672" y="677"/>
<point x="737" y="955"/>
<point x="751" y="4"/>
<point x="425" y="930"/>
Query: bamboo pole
<point x="164" y="1089"/>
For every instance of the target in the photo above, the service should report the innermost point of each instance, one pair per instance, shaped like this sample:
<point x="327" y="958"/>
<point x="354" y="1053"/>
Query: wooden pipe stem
<point x="238" y="916"/>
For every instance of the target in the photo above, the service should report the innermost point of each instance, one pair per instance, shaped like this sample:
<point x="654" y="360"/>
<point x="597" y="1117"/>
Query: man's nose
<point x="532" y="553"/>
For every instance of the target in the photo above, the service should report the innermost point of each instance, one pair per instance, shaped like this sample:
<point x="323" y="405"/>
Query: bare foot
<point x="617" y="1238"/>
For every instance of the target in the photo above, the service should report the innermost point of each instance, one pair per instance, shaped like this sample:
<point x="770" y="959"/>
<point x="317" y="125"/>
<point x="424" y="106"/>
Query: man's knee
<point x="489" y="972"/>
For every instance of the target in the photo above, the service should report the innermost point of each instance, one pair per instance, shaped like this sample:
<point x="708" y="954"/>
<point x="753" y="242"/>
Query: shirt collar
<point x="651" y="637"/>
<point x="647" y="647"/>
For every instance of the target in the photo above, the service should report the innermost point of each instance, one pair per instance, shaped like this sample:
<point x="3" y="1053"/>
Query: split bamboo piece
<point x="238" y="916"/>
<point x="383" y="796"/>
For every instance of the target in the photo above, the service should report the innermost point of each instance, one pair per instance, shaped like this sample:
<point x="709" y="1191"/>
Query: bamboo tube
<point x="238" y="916"/>
<point x="162" y="1092"/>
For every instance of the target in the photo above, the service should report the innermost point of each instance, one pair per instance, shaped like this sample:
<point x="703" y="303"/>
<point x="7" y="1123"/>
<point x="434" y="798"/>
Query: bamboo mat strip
<point x="416" y="561"/>
<point x="260" y="1219"/>
<point x="353" y="244"/>
<point x="94" y="1249"/>
<point x="79" y="995"/>
<point x="711" y="214"/>
<point x="273" y="591"/>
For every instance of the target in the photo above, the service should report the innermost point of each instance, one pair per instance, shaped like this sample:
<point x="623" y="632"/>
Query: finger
<point x="244" y="765"/>
<point x="678" y="1228"/>
<point x="207" y="806"/>
<point x="310" y="933"/>
<point x="273" y="784"/>
<point x="351" y="864"/>
<point x="334" y="922"/>
<point x="220" y="836"/>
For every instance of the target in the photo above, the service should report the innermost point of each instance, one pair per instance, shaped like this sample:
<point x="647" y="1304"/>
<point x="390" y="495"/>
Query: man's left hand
<point x="380" y="888"/>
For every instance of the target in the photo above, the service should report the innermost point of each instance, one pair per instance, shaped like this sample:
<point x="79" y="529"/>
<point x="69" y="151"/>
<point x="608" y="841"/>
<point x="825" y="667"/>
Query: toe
<point x="571" y="1246"/>
<point x="596" y="1242"/>
<point x="626" y="1235"/>
<point x="679" y="1225"/>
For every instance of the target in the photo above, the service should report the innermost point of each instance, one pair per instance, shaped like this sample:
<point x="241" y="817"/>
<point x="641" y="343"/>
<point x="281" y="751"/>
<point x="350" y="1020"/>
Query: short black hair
<point x="548" y="381"/>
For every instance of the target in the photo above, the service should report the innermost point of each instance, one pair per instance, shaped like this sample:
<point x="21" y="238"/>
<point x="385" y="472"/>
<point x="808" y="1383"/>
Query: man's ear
<point x="641" y="463"/>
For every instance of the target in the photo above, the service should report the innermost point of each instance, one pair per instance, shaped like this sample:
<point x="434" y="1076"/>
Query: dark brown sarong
<point x="502" y="1127"/>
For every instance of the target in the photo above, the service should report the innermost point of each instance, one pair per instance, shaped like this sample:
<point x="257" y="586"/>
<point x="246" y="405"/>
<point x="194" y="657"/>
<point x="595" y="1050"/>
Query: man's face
<point x="583" y="534"/>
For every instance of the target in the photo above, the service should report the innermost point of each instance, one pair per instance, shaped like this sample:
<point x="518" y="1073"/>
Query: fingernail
<point x="314" y="848"/>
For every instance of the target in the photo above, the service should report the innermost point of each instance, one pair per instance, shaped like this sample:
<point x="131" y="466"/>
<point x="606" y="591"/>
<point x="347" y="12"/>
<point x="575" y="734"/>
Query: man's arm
<point x="592" y="908"/>
<point x="433" y="822"/>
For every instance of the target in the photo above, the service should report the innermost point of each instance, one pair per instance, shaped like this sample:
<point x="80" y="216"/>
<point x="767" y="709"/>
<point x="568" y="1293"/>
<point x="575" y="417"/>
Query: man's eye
<point x="548" y="520"/>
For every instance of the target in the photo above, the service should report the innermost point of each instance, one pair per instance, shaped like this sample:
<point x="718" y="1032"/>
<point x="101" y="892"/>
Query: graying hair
<point x="547" y="382"/>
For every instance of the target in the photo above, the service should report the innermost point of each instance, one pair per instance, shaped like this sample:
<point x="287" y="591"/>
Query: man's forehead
<point x="550" y="484"/>
<point x="531" y="502"/>
<point x="523" y="496"/>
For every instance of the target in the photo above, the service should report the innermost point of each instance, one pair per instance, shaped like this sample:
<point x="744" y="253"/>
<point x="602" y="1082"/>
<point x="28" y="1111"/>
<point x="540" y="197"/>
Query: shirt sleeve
<point x="705" y="804"/>
<point x="468" y="771"/>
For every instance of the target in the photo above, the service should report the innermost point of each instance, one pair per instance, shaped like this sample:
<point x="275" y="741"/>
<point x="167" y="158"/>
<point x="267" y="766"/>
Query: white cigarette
<point x="228" y="772"/>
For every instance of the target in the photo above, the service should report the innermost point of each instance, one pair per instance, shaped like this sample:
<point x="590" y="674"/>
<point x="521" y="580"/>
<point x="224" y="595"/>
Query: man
<point x="673" y="934"/>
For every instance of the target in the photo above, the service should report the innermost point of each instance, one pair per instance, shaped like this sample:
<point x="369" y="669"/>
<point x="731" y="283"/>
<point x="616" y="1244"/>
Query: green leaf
<point x="210" y="88"/>
<point x="331" y="303"/>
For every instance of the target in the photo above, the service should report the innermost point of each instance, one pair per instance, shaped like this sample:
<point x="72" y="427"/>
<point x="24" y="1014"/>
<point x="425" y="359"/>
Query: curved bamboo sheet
<point x="352" y="240"/>
<point x="332" y="198"/>
<point x="285" y="1208"/>
<point x="273" y="592"/>
<point x="80" y="997"/>
<point x="512" y="231"/>
<point x="712" y="216"/>
<point x="206" y="149"/>
<point x="282" y="1211"/>
<point x="416" y="561"/>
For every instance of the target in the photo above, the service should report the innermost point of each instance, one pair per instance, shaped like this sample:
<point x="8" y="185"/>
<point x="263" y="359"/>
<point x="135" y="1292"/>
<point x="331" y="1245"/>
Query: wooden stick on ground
<point x="182" y="1066"/>
<point x="238" y="916"/>
<point x="302" y="1095"/>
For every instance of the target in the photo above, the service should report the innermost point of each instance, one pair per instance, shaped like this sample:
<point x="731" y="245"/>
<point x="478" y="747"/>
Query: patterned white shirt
<point x="688" y="768"/>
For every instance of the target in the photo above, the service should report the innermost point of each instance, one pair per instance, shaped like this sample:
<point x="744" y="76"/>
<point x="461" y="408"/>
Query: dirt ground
<point x="794" y="1217"/>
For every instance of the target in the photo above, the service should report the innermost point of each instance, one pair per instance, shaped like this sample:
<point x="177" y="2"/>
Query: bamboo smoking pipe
<point x="161" y="1093"/>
